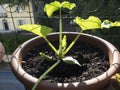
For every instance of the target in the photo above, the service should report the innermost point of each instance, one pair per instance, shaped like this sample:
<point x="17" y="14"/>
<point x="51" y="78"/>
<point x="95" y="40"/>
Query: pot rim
<point x="115" y="65"/>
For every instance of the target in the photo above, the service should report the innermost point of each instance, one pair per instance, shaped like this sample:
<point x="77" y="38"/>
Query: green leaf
<point x="86" y="24"/>
<point x="64" y="42"/>
<point x="43" y="55"/>
<point x="115" y="24"/>
<point x="108" y="24"/>
<point x="40" y="30"/>
<point x="54" y="6"/>
<point x="71" y="60"/>
<point x="68" y="5"/>
<point x="51" y="8"/>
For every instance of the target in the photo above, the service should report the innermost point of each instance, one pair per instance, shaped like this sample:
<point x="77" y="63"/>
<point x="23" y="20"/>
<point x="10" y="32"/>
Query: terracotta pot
<point x="2" y="51"/>
<point x="93" y="84"/>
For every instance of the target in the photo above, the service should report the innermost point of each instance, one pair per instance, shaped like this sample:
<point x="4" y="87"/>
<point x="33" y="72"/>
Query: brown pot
<point x="2" y="51"/>
<point x="96" y="83"/>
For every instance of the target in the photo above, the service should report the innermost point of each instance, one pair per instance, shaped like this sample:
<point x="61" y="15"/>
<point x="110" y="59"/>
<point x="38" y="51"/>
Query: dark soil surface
<point x="93" y="63"/>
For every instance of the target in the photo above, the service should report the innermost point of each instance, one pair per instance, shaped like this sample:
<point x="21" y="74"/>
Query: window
<point x="5" y="24"/>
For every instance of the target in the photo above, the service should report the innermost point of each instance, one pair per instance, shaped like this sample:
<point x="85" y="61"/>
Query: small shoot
<point x="64" y="42"/>
<point x="46" y="57"/>
<point x="106" y="24"/>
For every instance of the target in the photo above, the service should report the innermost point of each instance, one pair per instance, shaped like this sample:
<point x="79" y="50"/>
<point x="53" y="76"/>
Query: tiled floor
<point x="7" y="78"/>
<point x="9" y="82"/>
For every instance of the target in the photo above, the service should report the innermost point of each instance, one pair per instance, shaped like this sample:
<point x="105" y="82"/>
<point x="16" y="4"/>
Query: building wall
<point x="16" y="16"/>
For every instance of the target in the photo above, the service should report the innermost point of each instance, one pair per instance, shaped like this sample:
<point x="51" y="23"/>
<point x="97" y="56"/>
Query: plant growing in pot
<point x="60" y="55"/>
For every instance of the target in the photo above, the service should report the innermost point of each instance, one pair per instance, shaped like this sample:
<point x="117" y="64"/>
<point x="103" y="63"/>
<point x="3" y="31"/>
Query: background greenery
<point x="12" y="41"/>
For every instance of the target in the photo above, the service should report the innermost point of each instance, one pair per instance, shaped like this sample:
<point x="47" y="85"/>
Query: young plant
<point x="86" y="24"/>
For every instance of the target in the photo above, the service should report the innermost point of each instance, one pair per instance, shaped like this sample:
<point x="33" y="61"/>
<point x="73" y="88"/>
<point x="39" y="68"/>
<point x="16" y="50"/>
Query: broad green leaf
<point x="54" y="6"/>
<point x="108" y="24"/>
<point x="64" y="42"/>
<point x="43" y="55"/>
<point x="115" y="24"/>
<point x="71" y="60"/>
<point x="40" y="30"/>
<point x="91" y="23"/>
<point x="51" y="8"/>
<point x="68" y="5"/>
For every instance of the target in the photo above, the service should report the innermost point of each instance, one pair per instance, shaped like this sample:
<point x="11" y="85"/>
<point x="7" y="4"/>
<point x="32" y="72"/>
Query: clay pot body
<point x="2" y="51"/>
<point x="93" y="84"/>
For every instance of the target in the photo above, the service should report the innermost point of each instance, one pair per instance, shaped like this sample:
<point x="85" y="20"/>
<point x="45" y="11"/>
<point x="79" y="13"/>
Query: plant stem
<point x="73" y="42"/>
<point x="50" y="44"/>
<point x="60" y="36"/>
<point x="45" y="73"/>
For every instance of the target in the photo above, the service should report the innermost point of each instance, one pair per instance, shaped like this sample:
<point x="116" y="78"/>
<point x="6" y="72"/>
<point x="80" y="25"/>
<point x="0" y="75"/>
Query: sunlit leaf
<point x="40" y="30"/>
<point x="71" y="60"/>
<point x="68" y="5"/>
<point x="51" y="8"/>
<point x="115" y="24"/>
<point x="108" y="24"/>
<point x="86" y="24"/>
<point x="54" y="6"/>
